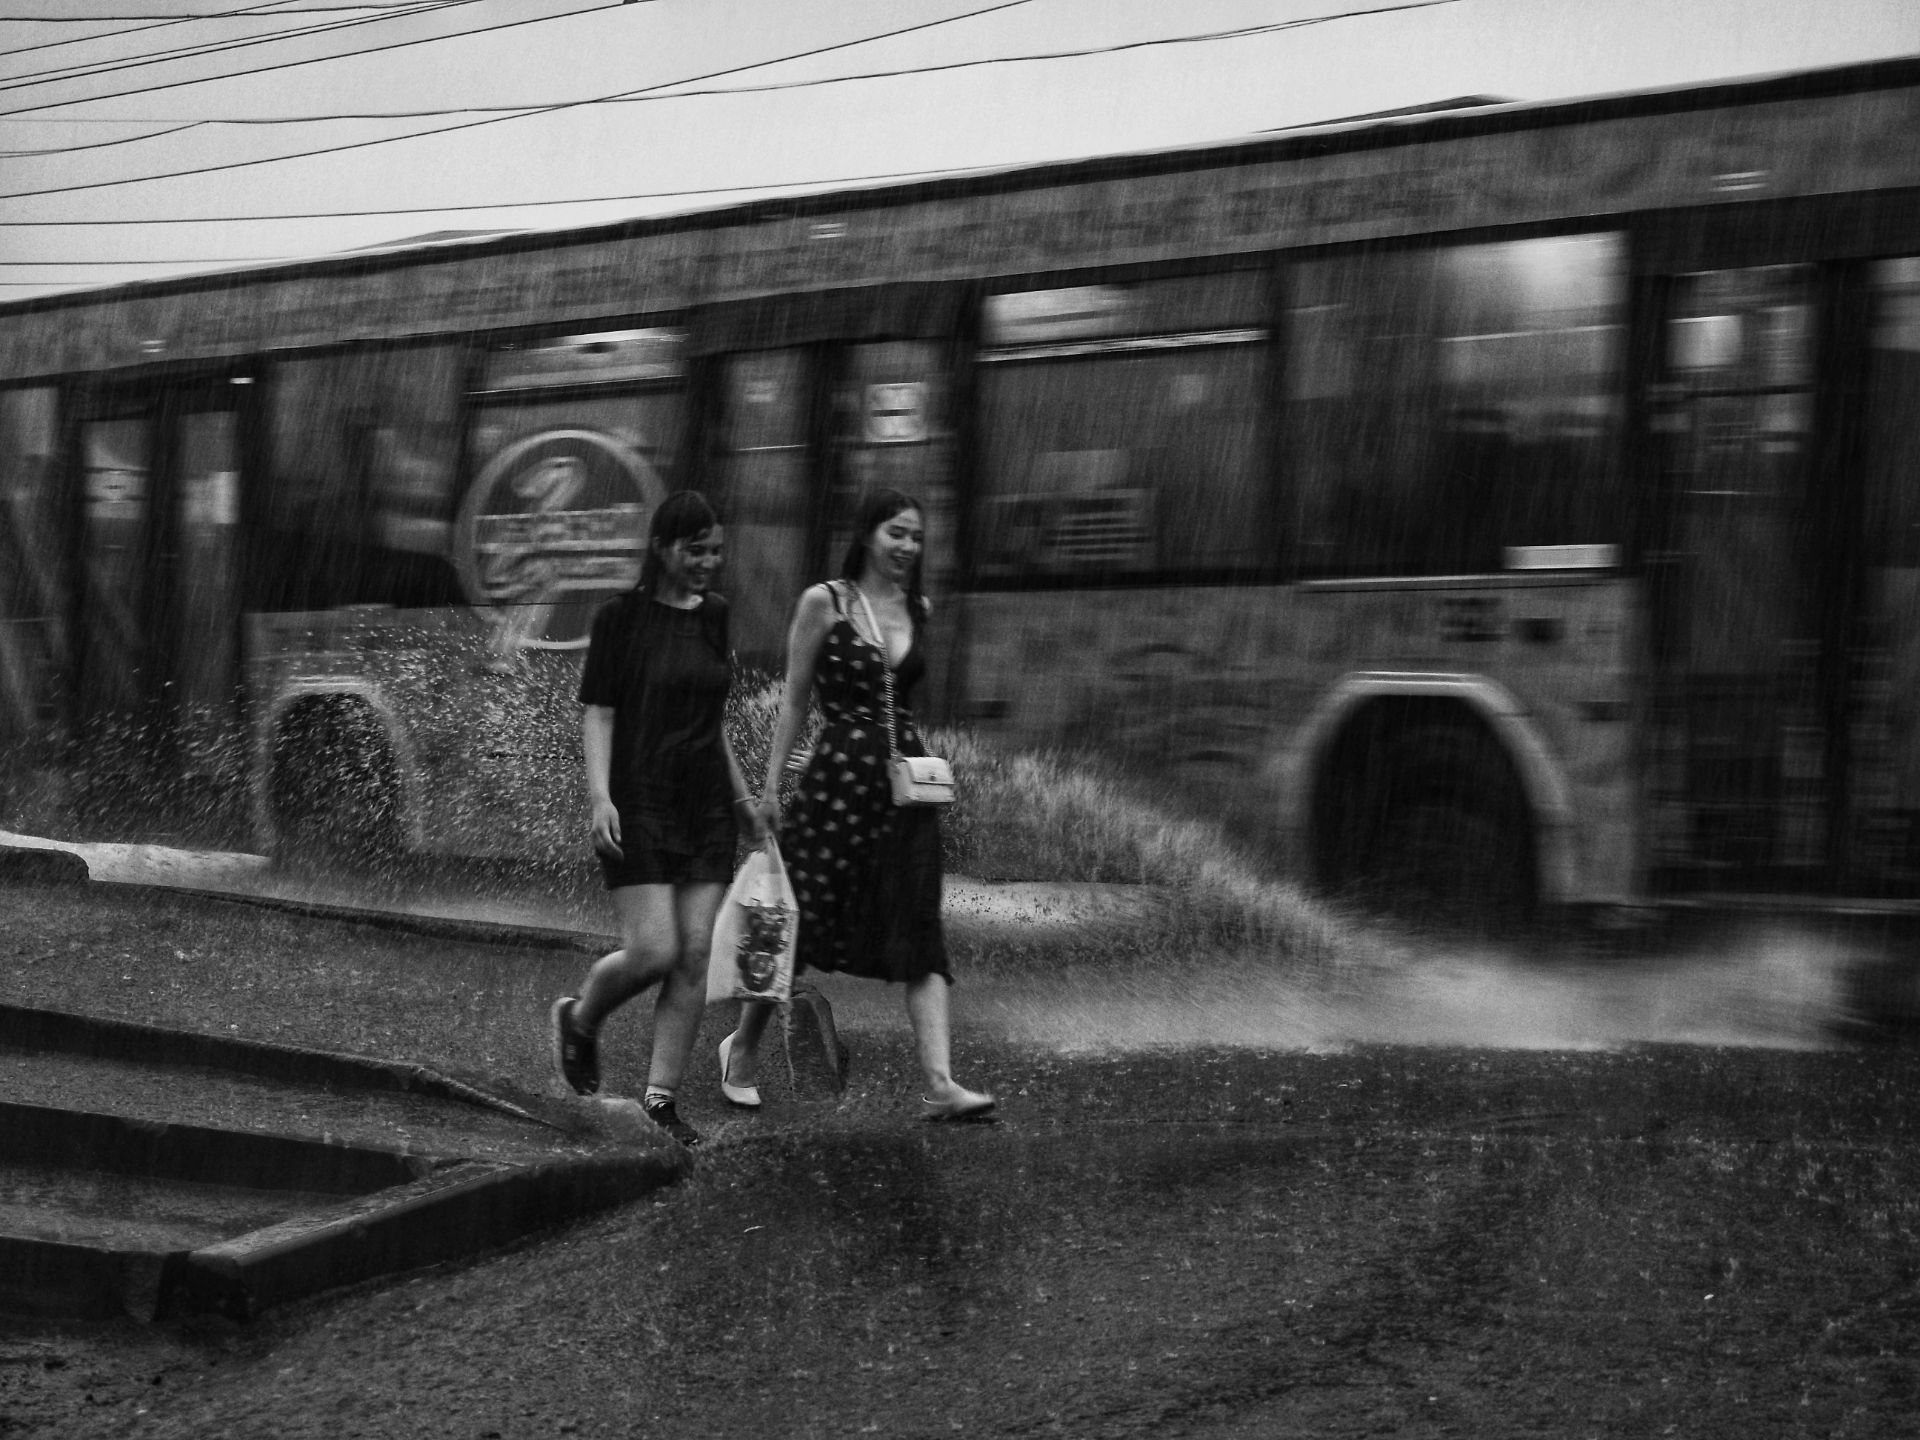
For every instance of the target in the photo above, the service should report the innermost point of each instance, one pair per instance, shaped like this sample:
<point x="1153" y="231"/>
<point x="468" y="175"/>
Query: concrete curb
<point x="165" y="1150"/>
<point x="31" y="1028"/>
<point x="52" y="866"/>
<point x="432" y="927"/>
<point x="56" y="1280"/>
<point x="467" y="1207"/>
<point x="43" y="867"/>
<point x="402" y="1210"/>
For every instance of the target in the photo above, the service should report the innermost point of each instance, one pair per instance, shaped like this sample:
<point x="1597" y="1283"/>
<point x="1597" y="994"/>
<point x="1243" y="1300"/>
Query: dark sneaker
<point x="577" y="1055"/>
<point x="661" y="1112"/>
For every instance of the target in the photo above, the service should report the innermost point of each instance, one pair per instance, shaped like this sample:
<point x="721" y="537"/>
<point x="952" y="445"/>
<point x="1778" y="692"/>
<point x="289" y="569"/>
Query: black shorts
<point x="641" y="866"/>
<point x="692" y="847"/>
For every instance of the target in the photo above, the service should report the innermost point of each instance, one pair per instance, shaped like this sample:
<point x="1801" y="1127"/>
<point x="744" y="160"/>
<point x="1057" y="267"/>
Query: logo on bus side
<point x="553" y="527"/>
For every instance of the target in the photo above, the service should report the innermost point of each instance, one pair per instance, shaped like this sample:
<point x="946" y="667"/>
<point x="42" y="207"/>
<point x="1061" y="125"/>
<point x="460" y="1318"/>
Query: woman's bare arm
<point x="812" y="618"/>
<point x="596" y="739"/>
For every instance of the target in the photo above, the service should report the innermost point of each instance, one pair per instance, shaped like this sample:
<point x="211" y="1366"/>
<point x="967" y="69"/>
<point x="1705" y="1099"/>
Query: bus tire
<point x="336" y="790"/>
<point x="1432" y="823"/>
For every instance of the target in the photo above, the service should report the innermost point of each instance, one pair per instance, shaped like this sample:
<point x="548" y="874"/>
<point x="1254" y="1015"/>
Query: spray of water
<point x="1756" y="985"/>
<point x="1777" y="987"/>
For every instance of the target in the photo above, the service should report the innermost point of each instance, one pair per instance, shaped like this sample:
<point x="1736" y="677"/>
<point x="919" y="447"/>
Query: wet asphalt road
<point x="1483" y="1195"/>
<point x="1386" y="1240"/>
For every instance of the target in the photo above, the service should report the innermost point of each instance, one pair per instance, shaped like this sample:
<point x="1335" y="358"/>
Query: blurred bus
<point x="1517" y="504"/>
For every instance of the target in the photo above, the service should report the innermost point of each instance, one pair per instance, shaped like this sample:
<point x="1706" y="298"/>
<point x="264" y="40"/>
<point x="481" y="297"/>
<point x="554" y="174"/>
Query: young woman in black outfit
<point x="668" y="800"/>
<point x="865" y="872"/>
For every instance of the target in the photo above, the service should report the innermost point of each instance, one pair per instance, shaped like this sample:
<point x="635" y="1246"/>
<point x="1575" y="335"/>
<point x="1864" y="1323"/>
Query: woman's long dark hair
<point x="876" y="508"/>
<point x="681" y="516"/>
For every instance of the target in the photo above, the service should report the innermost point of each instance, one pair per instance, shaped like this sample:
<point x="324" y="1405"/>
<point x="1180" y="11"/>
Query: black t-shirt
<point x="664" y="673"/>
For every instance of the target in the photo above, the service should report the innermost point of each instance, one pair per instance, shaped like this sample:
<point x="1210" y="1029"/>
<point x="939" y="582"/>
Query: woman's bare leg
<point x="683" y="995"/>
<point x="927" y="1009"/>
<point x="651" y="947"/>
<point x="745" y="1052"/>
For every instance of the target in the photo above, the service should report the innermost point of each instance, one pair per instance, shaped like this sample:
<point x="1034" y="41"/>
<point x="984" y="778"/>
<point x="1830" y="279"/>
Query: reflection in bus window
<point x="34" y="584"/>
<point x="1132" y="451"/>
<point x="1886" y="704"/>
<point x="1893" y="400"/>
<point x="207" y="498"/>
<point x="1448" y="409"/>
<point x="762" y="488"/>
<point x="361" y="501"/>
<point x="117" y="455"/>
<point x="892" y="430"/>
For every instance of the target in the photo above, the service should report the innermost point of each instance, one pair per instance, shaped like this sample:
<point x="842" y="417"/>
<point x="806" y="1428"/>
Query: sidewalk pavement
<point x="984" y="910"/>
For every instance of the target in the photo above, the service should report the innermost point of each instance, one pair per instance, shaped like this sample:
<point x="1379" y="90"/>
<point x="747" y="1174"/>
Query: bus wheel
<point x="336" y="787"/>
<point x="1437" y="828"/>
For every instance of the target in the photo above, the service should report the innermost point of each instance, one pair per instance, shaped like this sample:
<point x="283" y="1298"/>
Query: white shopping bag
<point x="755" y="933"/>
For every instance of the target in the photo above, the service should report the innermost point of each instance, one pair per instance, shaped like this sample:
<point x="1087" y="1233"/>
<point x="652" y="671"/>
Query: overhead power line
<point x="172" y="16"/>
<point x="827" y="182"/>
<point x="109" y="264"/>
<point x="265" y="11"/>
<point x="637" y="98"/>
<point x="500" y="119"/>
<point x="97" y="144"/>
<point x="64" y="74"/>
<point x="691" y="80"/>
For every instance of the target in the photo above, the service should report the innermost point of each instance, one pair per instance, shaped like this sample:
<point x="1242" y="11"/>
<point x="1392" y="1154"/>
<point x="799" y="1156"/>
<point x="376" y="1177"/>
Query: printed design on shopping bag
<point x="755" y="933"/>
<point x="762" y="946"/>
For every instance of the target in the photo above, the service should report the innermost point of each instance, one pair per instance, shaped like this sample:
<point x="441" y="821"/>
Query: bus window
<point x="892" y="430"/>
<point x="763" y="489"/>
<point x="360" y="499"/>
<point x="1893" y="399"/>
<point x="117" y="454"/>
<point x="206" y="483"/>
<point x="1455" y="411"/>
<point x="1120" y="430"/>
<point x="1886" y="712"/>
<point x="34" y="586"/>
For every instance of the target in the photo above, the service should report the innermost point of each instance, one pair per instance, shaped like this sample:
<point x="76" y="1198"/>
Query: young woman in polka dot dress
<point x="866" y="873"/>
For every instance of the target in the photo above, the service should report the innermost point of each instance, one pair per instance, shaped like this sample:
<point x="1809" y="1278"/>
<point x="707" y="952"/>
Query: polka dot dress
<point x="866" y="873"/>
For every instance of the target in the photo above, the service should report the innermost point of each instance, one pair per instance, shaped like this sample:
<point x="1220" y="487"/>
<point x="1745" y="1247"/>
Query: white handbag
<point x="915" y="779"/>
<point x="920" y="780"/>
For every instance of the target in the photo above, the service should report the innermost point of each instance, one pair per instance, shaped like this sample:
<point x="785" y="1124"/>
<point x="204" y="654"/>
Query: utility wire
<point x="1244" y="32"/>
<point x="60" y="74"/>
<point x="671" y="84"/>
<point x="198" y="260"/>
<point x="826" y="182"/>
<point x="97" y="144"/>
<point x="172" y="16"/>
<point x="265" y="11"/>
<point x="499" y="119"/>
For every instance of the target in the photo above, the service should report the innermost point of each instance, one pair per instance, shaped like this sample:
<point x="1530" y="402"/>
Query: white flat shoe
<point x="963" y="1104"/>
<point x="745" y="1096"/>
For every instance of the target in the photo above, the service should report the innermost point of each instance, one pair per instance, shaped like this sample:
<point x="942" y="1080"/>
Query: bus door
<point x="159" y="579"/>
<point x="1741" y="753"/>
<point x="765" y="484"/>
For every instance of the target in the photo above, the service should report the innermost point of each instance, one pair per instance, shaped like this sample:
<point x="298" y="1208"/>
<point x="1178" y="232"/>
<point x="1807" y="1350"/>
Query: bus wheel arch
<point x="335" y="776"/>
<point x="1431" y="788"/>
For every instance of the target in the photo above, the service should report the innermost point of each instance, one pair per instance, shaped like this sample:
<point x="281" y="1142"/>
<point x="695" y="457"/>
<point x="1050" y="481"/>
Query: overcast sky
<point x="608" y="158"/>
